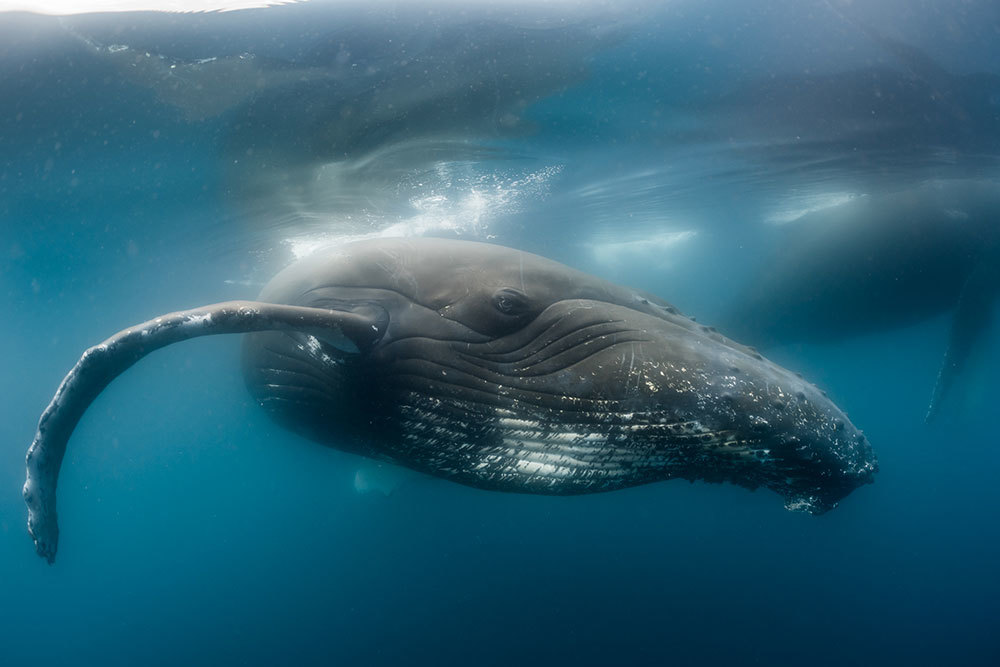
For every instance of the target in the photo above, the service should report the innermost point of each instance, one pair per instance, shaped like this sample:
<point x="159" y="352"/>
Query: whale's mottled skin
<point x="498" y="369"/>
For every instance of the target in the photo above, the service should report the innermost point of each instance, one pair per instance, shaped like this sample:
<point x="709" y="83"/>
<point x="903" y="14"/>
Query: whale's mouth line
<point x="535" y="367"/>
<point x="471" y="334"/>
<point x="542" y="339"/>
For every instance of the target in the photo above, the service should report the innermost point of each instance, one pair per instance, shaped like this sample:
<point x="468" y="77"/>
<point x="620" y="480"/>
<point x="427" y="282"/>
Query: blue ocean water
<point x="151" y="162"/>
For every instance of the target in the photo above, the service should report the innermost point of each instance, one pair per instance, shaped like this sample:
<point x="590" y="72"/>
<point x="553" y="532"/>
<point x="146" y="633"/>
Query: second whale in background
<point x="880" y="262"/>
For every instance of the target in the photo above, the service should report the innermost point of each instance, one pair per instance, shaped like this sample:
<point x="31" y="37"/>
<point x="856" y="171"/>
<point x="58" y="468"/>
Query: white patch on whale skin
<point x="198" y="320"/>
<point x="570" y="437"/>
<point x="803" y="504"/>
<point x="313" y="347"/>
<point x="539" y="468"/>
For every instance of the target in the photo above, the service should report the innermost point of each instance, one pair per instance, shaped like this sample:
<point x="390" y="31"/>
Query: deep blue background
<point x="194" y="531"/>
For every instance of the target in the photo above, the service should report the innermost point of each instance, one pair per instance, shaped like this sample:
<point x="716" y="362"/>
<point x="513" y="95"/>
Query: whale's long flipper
<point x="972" y="317"/>
<point x="103" y="363"/>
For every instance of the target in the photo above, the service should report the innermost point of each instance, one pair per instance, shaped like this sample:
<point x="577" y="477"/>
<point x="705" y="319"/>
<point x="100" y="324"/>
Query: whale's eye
<point x="510" y="302"/>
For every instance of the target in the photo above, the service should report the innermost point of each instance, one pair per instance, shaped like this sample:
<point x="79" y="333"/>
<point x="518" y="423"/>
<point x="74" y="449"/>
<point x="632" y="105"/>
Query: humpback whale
<point x="879" y="262"/>
<point x="497" y="369"/>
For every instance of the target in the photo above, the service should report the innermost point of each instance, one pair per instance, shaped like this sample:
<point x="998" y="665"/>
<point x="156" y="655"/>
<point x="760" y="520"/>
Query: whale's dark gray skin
<point x="879" y="262"/>
<point x="498" y="369"/>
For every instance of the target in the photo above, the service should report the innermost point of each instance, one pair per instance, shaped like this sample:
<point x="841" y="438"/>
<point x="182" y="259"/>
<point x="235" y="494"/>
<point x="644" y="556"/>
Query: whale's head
<point x="503" y="369"/>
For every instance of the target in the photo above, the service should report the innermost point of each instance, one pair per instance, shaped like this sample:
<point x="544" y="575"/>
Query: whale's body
<point x="497" y="369"/>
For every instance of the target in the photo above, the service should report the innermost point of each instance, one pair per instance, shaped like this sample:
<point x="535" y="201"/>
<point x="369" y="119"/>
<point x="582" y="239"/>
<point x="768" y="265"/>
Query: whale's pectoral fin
<point x="356" y="331"/>
<point x="971" y="319"/>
